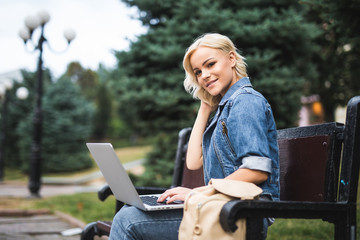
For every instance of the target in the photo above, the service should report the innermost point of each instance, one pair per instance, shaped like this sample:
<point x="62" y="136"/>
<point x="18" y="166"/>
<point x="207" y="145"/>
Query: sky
<point x="101" y="26"/>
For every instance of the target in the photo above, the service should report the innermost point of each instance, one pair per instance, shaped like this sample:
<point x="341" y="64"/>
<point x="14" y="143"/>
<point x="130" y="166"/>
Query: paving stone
<point x="41" y="227"/>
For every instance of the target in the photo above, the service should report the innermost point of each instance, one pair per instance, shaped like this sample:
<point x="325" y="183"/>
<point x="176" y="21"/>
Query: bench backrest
<point x="309" y="162"/>
<point x="321" y="162"/>
<point x="182" y="175"/>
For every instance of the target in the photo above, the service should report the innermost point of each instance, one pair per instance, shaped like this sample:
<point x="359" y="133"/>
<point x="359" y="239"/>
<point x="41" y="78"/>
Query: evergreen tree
<point x="66" y="126"/>
<point x="103" y="110"/>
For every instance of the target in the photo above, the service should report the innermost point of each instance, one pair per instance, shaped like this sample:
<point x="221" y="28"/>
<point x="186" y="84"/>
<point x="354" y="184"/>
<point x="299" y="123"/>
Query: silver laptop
<point x="119" y="181"/>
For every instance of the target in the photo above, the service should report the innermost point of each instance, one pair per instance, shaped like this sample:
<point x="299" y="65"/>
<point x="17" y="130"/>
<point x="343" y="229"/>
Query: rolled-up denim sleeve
<point x="257" y="163"/>
<point x="248" y="130"/>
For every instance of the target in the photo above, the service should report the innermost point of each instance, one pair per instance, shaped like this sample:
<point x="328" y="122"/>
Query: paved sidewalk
<point x="20" y="190"/>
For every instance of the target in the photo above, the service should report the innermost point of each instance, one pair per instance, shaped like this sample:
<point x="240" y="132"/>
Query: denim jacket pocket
<point x="223" y="149"/>
<point x="225" y="134"/>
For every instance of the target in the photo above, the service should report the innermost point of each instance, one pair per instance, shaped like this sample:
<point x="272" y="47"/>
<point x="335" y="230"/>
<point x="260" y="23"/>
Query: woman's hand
<point x="174" y="194"/>
<point x="206" y="108"/>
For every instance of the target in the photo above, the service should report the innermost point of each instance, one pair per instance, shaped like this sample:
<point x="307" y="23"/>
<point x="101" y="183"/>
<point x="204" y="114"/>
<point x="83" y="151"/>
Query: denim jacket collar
<point x="243" y="82"/>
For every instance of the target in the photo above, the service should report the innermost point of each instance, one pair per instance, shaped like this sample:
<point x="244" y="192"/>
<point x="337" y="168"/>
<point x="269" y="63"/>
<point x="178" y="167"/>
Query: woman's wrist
<point x="205" y="109"/>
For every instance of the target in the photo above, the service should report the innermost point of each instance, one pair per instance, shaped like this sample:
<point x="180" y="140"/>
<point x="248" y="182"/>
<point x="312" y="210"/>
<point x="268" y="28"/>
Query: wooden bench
<point x="318" y="180"/>
<point x="319" y="172"/>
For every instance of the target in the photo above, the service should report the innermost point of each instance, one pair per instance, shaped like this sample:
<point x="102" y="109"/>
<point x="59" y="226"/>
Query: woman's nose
<point x="205" y="74"/>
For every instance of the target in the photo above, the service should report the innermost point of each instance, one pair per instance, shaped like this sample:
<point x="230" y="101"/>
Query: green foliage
<point x="158" y="168"/>
<point x="66" y="124"/>
<point x="86" y="79"/>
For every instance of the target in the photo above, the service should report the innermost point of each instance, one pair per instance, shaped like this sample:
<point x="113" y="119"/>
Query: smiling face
<point x="214" y="69"/>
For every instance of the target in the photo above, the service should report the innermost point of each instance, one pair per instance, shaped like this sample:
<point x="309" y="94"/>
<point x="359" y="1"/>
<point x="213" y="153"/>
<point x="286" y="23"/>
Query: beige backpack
<point x="203" y="205"/>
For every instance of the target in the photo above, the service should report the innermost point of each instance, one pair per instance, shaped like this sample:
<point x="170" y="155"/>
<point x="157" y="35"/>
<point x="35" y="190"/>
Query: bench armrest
<point x="104" y="193"/>
<point x="236" y="209"/>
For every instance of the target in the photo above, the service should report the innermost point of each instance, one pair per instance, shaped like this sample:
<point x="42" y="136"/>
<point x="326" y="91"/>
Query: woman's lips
<point x="209" y="84"/>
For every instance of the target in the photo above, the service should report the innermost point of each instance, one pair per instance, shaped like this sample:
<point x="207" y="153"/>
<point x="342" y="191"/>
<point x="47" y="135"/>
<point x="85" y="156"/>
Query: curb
<point x="70" y="219"/>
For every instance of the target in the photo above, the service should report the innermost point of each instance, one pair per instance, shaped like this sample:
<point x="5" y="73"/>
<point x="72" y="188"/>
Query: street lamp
<point x="32" y="23"/>
<point x="21" y="93"/>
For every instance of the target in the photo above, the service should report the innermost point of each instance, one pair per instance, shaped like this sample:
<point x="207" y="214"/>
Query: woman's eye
<point x="197" y="73"/>
<point x="211" y="64"/>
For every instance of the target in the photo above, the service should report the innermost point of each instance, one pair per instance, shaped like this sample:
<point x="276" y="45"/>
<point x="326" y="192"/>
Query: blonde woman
<point x="238" y="143"/>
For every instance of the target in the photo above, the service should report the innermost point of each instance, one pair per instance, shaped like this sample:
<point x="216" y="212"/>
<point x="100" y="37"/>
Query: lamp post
<point x="21" y="93"/>
<point x="32" y="23"/>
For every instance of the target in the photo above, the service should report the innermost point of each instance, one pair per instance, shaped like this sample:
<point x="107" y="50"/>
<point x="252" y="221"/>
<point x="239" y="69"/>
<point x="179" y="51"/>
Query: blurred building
<point x="312" y="111"/>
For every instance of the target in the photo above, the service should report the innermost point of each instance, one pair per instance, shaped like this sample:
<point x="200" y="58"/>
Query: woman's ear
<point x="232" y="58"/>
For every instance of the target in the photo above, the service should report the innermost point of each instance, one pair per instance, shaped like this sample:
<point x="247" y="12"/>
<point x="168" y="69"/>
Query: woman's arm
<point x="194" y="152"/>
<point x="249" y="175"/>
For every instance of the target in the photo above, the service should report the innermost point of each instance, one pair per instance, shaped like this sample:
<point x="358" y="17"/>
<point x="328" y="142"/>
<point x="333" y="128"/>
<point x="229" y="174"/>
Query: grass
<point x="129" y="154"/>
<point x="299" y="229"/>
<point x="14" y="175"/>
<point x="83" y="206"/>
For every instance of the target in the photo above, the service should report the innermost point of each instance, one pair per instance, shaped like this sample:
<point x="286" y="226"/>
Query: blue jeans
<point x="132" y="223"/>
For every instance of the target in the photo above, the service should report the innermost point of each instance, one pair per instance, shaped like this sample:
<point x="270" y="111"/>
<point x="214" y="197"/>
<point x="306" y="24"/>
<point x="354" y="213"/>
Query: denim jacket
<point x="242" y="134"/>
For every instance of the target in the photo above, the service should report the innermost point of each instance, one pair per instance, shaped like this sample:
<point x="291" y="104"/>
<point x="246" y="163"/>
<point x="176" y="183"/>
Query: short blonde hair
<point x="216" y="41"/>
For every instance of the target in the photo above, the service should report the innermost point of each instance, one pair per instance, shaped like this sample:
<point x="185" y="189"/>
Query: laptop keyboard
<point x="151" y="200"/>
